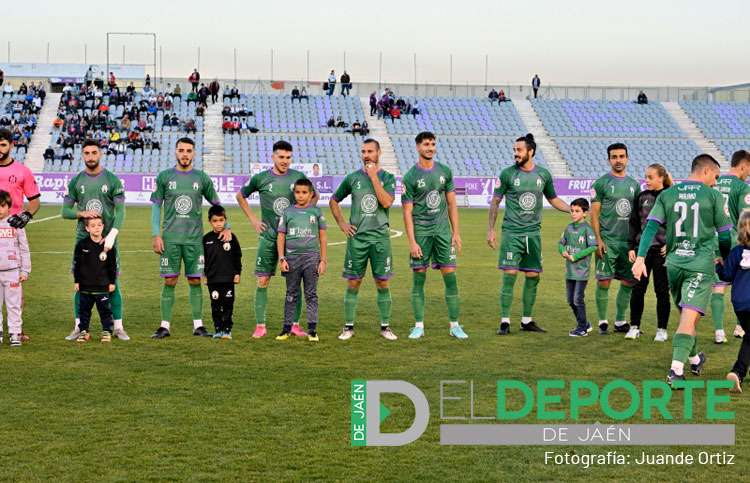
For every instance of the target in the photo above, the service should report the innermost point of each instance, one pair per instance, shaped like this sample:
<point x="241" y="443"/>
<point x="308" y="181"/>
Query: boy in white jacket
<point x="15" y="266"/>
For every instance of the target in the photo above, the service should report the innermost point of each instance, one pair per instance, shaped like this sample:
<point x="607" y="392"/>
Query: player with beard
<point x="18" y="180"/>
<point x="180" y="239"/>
<point x="523" y="185"/>
<point x="368" y="235"/>
<point x="614" y="194"/>
<point x="275" y="188"/>
<point x="96" y="192"/>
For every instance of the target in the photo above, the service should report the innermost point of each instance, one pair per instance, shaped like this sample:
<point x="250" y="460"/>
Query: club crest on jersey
<point x="95" y="206"/>
<point x="104" y="188"/>
<point x="369" y="203"/>
<point x="279" y="205"/>
<point x="442" y="180"/>
<point x="433" y="199"/>
<point x="622" y="207"/>
<point x="516" y="182"/>
<point x="227" y="246"/>
<point x="313" y="220"/>
<point x="195" y="186"/>
<point x="581" y="239"/>
<point x="527" y="201"/>
<point x="747" y="199"/>
<point x="183" y="204"/>
<point x="538" y="183"/>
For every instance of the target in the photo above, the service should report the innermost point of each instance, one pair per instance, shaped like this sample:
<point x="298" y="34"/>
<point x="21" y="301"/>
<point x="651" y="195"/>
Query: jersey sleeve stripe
<point x="656" y="219"/>
<point x="725" y="228"/>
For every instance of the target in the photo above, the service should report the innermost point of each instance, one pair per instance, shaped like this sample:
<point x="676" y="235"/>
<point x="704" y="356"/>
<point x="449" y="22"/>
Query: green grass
<point x="188" y="408"/>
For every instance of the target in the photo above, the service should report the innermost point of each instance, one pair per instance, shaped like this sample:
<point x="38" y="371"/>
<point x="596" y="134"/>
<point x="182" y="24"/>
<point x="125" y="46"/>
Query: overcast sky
<point x="655" y="42"/>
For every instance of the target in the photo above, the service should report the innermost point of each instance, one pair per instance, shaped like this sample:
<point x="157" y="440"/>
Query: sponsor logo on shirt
<point x="686" y="248"/>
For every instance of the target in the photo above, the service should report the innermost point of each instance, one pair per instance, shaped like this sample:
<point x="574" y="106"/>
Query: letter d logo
<point x="366" y="413"/>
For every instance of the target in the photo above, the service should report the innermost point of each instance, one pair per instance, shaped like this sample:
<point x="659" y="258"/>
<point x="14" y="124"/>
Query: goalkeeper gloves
<point x="20" y="220"/>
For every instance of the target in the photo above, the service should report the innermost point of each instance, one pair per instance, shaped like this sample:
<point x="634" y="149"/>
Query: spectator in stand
<point x="213" y="88"/>
<point x="192" y="97"/>
<point x="148" y="80"/>
<point x="493" y="95"/>
<point x="395" y="113"/>
<point x="373" y="103"/>
<point x="331" y="122"/>
<point x="49" y="154"/>
<point x="331" y="82"/>
<point x="346" y="84"/>
<point x="112" y="80"/>
<point x="200" y="111"/>
<point x="99" y="81"/>
<point x="302" y="95"/>
<point x="415" y="109"/>
<point x="203" y="94"/>
<point x="340" y="122"/>
<point x="2" y="77"/>
<point x="194" y="80"/>
<point x="295" y="94"/>
<point x="501" y="96"/>
<point x="356" y="127"/>
<point x="536" y="83"/>
<point x="177" y="91"/>
<point x="8" y="90"/>
<point x="642" y="99"/>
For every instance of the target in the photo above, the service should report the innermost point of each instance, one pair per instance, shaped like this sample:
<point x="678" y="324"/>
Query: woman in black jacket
<point x="657" y="180"/>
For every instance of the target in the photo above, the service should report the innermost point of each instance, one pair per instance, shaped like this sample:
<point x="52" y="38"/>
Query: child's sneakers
<point x="579" y="332"/>
<point x="83" y="336"/>
<point x="661" y="335"/>
<point x="297" y="331"/>
<point x="387" y="333"/>
<point x="218" y="334"/>
<point x="260" y="331"/>
<point x="719" y="336"/>
<point x="739" y="332"/>
<point x="458" y="332"/>
<point x="737" y="387"/>
<point x="312" y="336"/>
<point x="15" y="340"/>
<point x="633" y="333"/>
<point x="106" y="337"/>
<point x="346" y="333"/>
<point x="284" y="335"/>
<point x="226" y="335"/>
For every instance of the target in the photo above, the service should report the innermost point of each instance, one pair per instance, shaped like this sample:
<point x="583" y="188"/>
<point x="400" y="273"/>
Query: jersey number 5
<point x="682" y="208"/>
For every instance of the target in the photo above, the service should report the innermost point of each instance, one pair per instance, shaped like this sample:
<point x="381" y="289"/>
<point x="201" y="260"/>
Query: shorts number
<point x="682" y="208"/>
<point x="260" y="260"/>
<point x="164" y="262"/>
<point x="509" y="255"/>
<point x="348" y="264"/>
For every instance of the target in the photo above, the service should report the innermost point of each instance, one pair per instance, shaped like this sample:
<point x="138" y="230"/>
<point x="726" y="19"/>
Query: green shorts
<point x="615" y="263"/>
<point x="266" y="258"/>
<point x="375" y="247"/>
<point x="520" y="252"/>
<point x="690" y="290"/>
<point x="437" y="248"/>
<point x="191" y="254"/>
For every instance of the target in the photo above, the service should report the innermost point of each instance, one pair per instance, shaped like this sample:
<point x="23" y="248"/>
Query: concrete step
<point x="213" y="140"/>
<point x="43" y="134"/>
<point x="694" y="133"/>
<point x="378" y="131"/>
<point x="546" y="145"/>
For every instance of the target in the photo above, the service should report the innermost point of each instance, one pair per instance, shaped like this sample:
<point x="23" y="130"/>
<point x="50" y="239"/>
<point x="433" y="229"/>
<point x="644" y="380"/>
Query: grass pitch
<point x="197" y="409"/>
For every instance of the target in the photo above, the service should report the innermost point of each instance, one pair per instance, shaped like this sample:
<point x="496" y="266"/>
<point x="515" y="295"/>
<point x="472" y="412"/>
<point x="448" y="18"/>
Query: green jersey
<point x="367" y="214"/>
<point x="616" y="195"/>
<point x="98" y="193"/>
<point x="302" y="226"/>
<point x="523" y="191"/>
<point x="181" y="194"/>
<point x="736" y="195"/>
<point x="692" y="213"/>
<point x="276" y="194"/>
<point x="425" y="189"/>
<point x="576" y="238"/>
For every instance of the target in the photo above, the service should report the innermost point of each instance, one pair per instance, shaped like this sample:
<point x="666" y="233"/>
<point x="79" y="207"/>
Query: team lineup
<point x="691" y="238"/>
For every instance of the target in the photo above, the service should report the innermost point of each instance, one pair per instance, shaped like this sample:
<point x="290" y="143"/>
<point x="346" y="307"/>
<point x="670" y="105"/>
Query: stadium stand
<point x="303" y="122"/>
<point x="727" y="124"/>
<point x="136" y="129"/>
<point x="582" y="131"/>
<point x="19" y="111"/>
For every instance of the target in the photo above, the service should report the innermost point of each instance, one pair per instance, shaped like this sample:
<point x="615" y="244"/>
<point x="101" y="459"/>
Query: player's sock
<point x="694" y="351"/>
<point x="298" y="310"/>
<point x="118" y="324"/>
<point x="116" y="304"/>
<point x="167" y="302"/>
<point x="529" y="295"/>
<point x="454" y="323"/>
<point x="417" y="295"/>
<point x="419" y="324"/>
<point x="602" y="302"/>
<point x="451" y="296"/>
<point x="261" y="299"/>
<point x="196" y="302"/>
<point x="506" y="294"/>
<point x="165" y="324"/>
<point x="384" y="306"/>
<point x="350" y="305"/>
<point x="76" y="303"/>
<point x="526" y="320"/>
<point x="682" y="345"/>
<point x="197" y="323"/>
<point x="717" y="310"/>
<point x="623" y="302"/>
<point x="678" y="367"/>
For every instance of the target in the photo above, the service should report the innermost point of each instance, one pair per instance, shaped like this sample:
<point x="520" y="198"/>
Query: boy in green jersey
<point x="180" y="191"/>
<point x="368" y="235"/>
<point x="96" y="192"/>
<point x="431" y="221"/>
<point x="692" y="213"/>
<point x="576" y="245"/>
<point x="614" y="195"/>
<point x="524" y="185"/>
<point x="275" y="189"/>
<point x="736" y="192"/>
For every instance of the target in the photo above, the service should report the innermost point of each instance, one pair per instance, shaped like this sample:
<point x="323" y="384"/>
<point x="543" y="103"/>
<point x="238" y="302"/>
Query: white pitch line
<point x="395" y="234"/>
<point x="44" y="219"/>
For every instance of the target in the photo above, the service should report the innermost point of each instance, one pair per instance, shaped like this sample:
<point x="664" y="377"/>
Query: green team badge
<point x="369" y="203"/>
<point x="183" y="204"/>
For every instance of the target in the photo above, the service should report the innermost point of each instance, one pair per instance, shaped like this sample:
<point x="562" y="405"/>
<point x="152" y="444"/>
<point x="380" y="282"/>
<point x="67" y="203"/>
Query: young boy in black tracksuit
<point x="223" y="268"/>
<point x="94" y="273"/>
